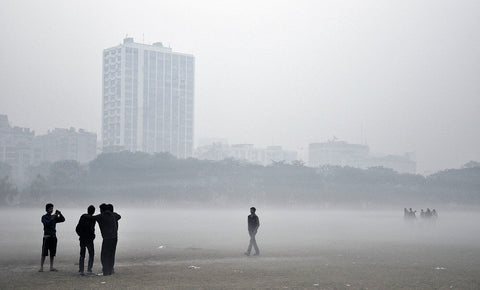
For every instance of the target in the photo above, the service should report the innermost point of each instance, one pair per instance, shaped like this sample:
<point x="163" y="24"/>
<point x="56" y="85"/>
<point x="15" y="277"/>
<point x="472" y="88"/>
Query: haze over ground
<point x="307" y="249"/>
<point x="281" y="72"/>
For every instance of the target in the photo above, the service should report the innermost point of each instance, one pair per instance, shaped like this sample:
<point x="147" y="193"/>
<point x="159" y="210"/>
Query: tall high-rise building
<point x="148" y="99"/>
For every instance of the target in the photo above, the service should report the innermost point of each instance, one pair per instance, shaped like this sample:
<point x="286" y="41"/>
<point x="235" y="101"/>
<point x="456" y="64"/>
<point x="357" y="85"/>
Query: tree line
<point x="146" y="179"/>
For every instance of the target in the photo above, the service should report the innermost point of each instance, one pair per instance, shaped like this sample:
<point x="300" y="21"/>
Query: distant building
<point x="277" y="154"/>
<point x="148" y="99"/>
<point x="15" y="147"/>
<point x="401" y="163"/>
<point x="210" y="141"/>
<point x="20" y="148"/>
<point x="65" y="144"/>
<point x="344" y="154"/>
<point x="337" y="153"/>
<point x="214" y="151"/>
<point x="246" y="152"/>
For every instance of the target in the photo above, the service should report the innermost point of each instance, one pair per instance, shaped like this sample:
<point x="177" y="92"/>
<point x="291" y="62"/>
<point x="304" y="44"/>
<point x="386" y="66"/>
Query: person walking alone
<point x="253" y="224"/>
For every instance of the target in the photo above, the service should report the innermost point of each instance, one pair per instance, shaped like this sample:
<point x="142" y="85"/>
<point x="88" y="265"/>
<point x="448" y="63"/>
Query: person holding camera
<point x="49" y="245"/>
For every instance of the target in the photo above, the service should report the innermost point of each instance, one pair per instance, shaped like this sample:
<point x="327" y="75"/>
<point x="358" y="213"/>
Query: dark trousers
<point x="109" y="246"/>
<point x="86" y="244"/>
<point x="253" y="243"/>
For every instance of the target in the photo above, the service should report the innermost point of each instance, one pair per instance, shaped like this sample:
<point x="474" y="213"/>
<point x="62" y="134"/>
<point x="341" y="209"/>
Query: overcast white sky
<point x="267" y="72"/>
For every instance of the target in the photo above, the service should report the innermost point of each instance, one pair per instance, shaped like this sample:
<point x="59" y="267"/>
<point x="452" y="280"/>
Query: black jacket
<point x="108" y="222"/>
<point x="86" y="227"/>
<point x="49" y="223"/>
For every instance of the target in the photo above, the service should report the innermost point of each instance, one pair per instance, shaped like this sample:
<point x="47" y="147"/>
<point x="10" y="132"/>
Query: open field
<point x="309" y="249"/>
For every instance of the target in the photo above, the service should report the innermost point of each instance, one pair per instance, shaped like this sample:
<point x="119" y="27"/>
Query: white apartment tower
<point x="148" y="99"/>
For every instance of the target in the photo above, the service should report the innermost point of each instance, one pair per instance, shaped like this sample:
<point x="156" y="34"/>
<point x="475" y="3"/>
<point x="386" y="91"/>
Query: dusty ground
<point x="299" y="260"/>
<point x="375" y="267"/>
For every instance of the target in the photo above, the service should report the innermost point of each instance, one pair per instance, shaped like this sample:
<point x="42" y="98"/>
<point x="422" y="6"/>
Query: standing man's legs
<point x="108" y="252"/>
<point x="51" y="264"/>
<point x="103" y="254"/>
<point x="44" y="253"/>
<point x="42" y="261"/>
<point x="114" y="250"/>
<point x="81" y="261"/>
<point x="49" y="245"/>
<point x="53" y="251"/>
<point x="91" y="255"/>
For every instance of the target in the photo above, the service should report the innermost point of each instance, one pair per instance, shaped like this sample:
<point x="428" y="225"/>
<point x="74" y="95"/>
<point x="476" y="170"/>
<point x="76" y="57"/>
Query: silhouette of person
<point x="434" y="213"/>
<point x="108" y="222"/>
<point x="253" y="224"/>
<point x="422" y="213"/>
<point x="49" y="244"/>
<point x="412" y="214"/>
<point x="428" y="213"/>
<point x="86" y="232"/>
<point x="110" y="207"/>
<point x="405" y="213"/>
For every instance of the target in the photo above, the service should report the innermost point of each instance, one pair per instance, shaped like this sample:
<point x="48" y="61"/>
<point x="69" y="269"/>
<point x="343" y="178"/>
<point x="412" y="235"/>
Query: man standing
<point x="253" y="224"/>
<point x="50" y="221"/>
<point x="108" y="222"/>
<point x="86" y="231"/>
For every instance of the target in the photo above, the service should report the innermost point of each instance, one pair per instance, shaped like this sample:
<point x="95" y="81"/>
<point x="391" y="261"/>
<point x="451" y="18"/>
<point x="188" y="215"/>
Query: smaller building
<point x="337" y="153"/>
<point x="247" y="152"/>
<point x="65" y="144"/>
<point x="341" y="153"/>
<point x="15" y="147"/>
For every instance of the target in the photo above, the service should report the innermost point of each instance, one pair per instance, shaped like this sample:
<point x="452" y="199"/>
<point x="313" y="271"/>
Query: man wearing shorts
<point x="49" y="246"/>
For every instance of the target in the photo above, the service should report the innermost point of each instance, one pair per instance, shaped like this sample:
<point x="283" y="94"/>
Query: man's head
<point x="49" y="207"/>
<point x="91" y="209"/>
<point x="253" y="210"/>
<point x="110" y="207"/>
<point x="103" y="207"/>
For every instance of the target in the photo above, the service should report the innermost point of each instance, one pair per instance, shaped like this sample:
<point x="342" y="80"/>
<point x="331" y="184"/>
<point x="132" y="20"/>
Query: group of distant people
<point x="108" y="222"/>
<point x="428" y="214"/>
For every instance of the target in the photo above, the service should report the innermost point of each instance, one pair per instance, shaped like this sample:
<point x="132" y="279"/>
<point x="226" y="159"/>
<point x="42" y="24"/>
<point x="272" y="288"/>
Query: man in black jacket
<point x="108" y="222"/>
<point x="253" y="224"/>
<point x="86" y="231"/>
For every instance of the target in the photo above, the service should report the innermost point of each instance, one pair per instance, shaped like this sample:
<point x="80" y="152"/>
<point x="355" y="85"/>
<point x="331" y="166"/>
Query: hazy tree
<point x="5" y="169"/>
<point x="65" y="172"/>
<point x="8" y="192"/>
<point x="38" y="190"/>
<point x="143" y="178"/>
<point x="42" y="169"/>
